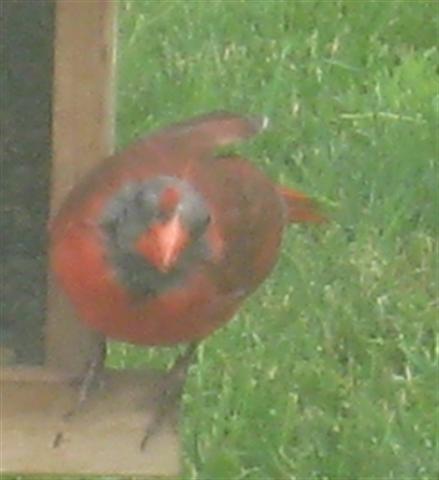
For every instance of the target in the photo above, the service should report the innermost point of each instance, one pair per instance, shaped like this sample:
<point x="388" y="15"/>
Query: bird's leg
<point x="91" y="377"/>
<point x="170" y="389"/>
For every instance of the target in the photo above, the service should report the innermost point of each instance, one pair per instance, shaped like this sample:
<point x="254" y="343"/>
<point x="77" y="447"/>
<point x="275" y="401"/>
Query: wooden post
<point x="82" y="133"/>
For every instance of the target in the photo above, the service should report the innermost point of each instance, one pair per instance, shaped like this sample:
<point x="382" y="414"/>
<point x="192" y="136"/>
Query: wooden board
<point x="102" y="439"/>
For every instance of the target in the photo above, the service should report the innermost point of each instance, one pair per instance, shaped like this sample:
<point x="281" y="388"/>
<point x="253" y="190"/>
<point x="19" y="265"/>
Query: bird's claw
<point x="167" y="397"/>
<point x="93" y="378"/>
<point x="169" y="392"/>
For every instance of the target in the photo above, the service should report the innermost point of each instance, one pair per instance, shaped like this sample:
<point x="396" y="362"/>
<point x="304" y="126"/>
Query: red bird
<point x="163" y="242"/>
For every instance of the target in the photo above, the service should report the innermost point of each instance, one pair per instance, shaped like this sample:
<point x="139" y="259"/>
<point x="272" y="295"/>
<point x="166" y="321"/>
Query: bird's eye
<point x="201" y="225"/>
<point x="206" y="220"/>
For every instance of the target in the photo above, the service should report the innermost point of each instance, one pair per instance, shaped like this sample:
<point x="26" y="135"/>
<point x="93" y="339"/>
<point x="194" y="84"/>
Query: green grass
<point x="330" y="370"/>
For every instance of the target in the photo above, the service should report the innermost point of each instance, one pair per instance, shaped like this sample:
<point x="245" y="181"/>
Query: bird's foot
<point x="92" y="378"/>
<point x="169" y="392"/>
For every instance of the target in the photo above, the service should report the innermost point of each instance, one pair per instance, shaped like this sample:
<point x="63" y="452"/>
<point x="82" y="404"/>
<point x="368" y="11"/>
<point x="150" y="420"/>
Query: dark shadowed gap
<point x="25" y="153"/>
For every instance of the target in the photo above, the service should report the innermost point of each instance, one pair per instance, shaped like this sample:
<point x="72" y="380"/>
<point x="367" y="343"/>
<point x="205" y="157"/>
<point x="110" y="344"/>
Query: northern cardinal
<point x="163" y="242"/>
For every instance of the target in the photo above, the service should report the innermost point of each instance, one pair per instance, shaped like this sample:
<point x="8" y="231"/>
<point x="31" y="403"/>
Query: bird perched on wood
<point x="163" y="242"/>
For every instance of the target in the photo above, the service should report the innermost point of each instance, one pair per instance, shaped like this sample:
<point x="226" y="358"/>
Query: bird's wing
<point x="204" y="133"/>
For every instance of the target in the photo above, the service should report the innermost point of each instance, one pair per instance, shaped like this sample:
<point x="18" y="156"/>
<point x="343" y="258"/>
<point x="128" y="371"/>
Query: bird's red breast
<point x="163" y="242"/>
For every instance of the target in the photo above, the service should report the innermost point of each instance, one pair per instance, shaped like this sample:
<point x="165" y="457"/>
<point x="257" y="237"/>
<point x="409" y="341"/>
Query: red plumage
<point x="163" y="242"/>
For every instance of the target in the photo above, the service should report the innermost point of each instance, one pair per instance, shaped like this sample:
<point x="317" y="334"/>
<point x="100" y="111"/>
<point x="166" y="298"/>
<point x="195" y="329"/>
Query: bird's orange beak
<point x="163" y="243"/>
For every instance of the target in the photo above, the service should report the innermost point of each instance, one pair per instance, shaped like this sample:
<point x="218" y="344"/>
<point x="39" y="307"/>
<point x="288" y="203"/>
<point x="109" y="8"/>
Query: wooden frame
<point x="104" y="438"/>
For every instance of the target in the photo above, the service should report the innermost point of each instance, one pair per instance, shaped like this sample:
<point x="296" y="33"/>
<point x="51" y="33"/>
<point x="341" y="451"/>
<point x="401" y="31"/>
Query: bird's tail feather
<point x="300" y="208"/>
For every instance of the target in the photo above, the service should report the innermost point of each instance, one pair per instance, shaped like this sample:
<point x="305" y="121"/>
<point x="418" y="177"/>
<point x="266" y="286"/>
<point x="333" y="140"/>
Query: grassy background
<point x="330" y="370"/>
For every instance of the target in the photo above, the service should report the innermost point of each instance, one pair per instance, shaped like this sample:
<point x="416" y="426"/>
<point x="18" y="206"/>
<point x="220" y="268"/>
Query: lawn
<point x="330" y="370"/>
